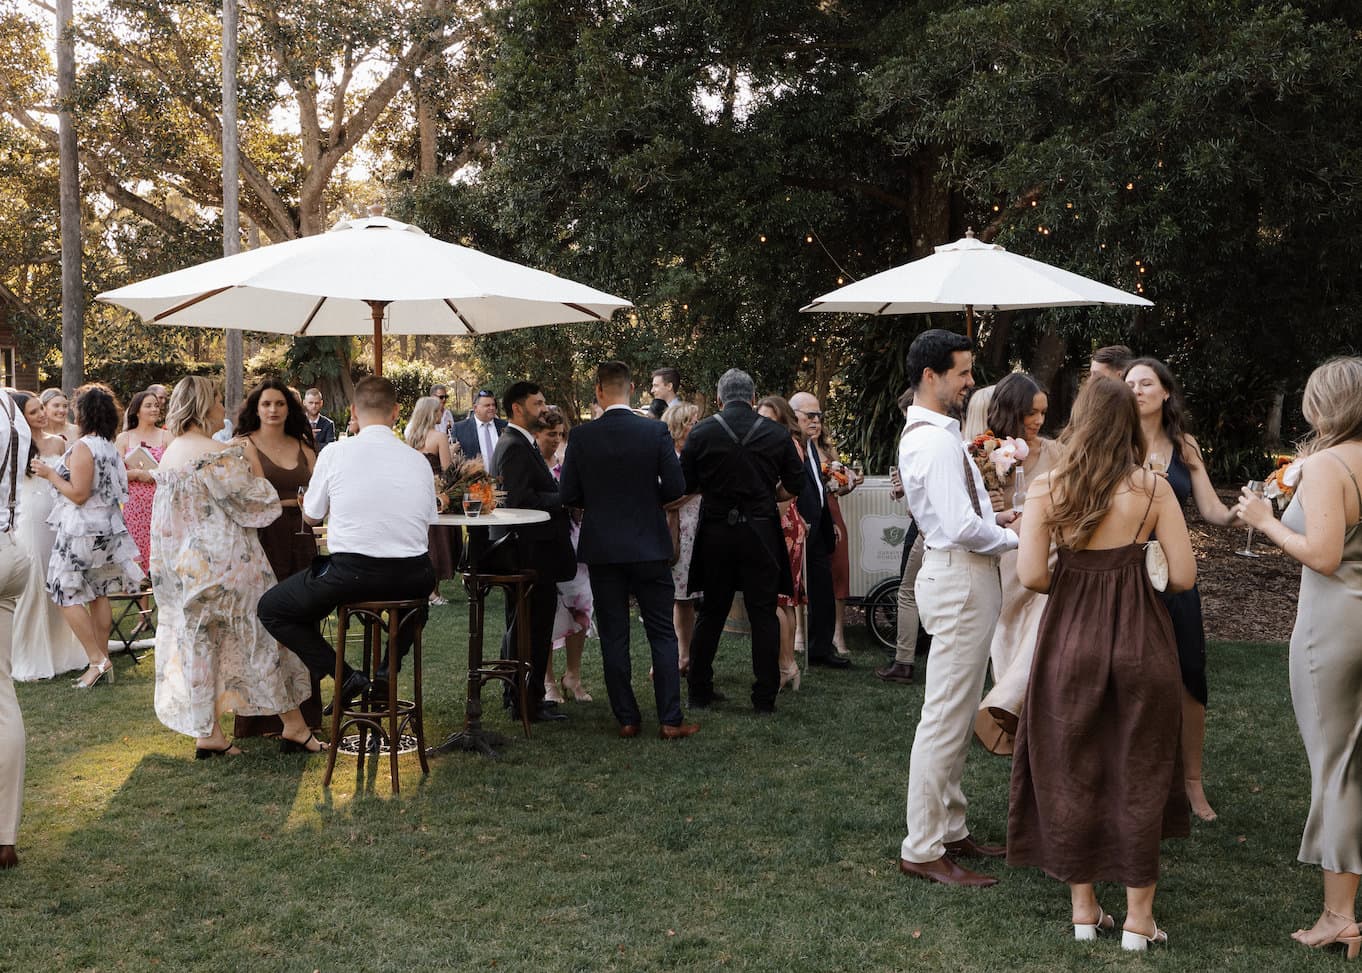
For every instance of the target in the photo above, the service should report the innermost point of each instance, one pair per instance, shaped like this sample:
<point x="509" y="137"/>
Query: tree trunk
<point x="231" y="223"/>
<point x="426" y="132"/>
<point x="72" y="296"/>
<point x="1272" y="429"/>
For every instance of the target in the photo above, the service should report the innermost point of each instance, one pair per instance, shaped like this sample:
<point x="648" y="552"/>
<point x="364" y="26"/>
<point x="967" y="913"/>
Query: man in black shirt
<point x="740" y="464"/>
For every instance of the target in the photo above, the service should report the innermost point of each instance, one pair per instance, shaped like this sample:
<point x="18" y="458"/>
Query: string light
<point x="1068" y="205"/>
<point x="1130" y="185"/>
<point x="839" y="280"/>
<point x="762" y="238"/>
<point x="808" y="238"/>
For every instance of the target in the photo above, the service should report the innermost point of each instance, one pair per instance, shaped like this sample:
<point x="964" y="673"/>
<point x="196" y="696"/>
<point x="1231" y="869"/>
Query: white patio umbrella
<point x="969" y="274"/>
<point x="372" y="274"/>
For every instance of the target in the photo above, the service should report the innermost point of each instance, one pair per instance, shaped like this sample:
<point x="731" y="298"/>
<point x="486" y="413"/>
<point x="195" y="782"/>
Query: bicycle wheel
<point x="882" y="612"/>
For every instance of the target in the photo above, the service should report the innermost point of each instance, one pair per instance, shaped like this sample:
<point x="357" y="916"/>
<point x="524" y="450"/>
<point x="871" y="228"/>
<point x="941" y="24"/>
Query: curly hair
<point x="1103" y="444"/>
<point x="97" y="411"/>
<point x="1175" y="420"/>
<point x="295" y="424"/>
<point x="1011" y="403"/>
<point x="679" y="417"/>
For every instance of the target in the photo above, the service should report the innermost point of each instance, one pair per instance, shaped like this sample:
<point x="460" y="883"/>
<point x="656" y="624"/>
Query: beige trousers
<point x="13" y="574"/>
<point x="959" y="595"/>
<point x="905" y="638"/>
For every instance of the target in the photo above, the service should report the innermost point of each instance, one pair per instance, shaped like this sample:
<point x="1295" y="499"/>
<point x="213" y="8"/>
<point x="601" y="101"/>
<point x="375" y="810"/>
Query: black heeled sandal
<point x="208" y="753"/>
<point x="293" y="746"/>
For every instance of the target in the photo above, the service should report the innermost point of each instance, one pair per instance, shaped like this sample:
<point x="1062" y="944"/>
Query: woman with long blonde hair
<point x="1320" y="529"/>
<point x="1096" y="781"/>
<point x="424" y="435"/>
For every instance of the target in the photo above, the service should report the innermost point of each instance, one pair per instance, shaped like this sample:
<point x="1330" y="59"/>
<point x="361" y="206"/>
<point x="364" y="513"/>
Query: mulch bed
<point x="1243" y="599"/>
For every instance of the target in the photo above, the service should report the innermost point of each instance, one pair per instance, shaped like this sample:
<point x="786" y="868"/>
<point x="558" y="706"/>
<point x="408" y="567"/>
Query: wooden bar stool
<point x="515" y="673"/>
<point x="389" y="716"/>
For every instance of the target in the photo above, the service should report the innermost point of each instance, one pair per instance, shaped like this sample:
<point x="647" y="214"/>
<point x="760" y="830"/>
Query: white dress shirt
<point x="379" y="492"/>
<point x="934" y="488"/>
<point x="7" y="404"/>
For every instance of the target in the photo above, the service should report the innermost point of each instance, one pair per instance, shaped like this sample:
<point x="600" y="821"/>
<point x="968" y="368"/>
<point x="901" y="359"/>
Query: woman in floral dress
<point x="93" y="556"/>
<point x="777" y="409"/>
<point x="208" y="571"/>
<point x="574" y="620"/>
<point x="679" y="420"/>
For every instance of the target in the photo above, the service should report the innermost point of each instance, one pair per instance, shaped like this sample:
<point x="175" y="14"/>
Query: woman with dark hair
<point x="1017" y="410"/>
<point x="276" y="438"/>
<point x="1095" y="776"/>
<point x="575" y="619"/>
<point x="1320" y="529"/>
<point x="142" y="435"/>
<point x="93" y="555"/>
<point x="778" y="410"/>
<point x="1173" y="451"/>
<point x="44" y="644"/>
<point x="841" y="553"/>
<point x="209" y="572"/>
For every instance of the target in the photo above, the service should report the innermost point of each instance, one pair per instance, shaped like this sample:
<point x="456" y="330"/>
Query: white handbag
<point x="1156" y="565"/>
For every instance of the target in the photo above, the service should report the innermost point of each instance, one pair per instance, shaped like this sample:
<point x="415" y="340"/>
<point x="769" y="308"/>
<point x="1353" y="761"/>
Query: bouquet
<point x="1280" y="485"/>
<point x="835" y="477"/>
<point x="468" y="477"/>
<point x="996" y="456"/>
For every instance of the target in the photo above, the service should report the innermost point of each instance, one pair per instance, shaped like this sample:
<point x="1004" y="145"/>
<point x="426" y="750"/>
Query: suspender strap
<point x="964" y="459"/>
<point x="11" y="460"/>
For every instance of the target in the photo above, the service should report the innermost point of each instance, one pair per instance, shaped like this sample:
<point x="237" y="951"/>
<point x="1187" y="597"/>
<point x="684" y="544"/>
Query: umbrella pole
<point x="969" y="321"/>
<point x="377" y="308"/>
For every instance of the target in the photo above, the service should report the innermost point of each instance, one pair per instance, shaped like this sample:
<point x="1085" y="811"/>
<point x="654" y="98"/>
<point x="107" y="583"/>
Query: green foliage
<point x="413" y="380"/>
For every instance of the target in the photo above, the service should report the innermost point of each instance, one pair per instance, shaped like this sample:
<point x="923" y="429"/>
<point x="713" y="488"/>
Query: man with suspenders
<point x="959" y="595"/>
<point x="740" y="464"/>
<point x="14" y="442"/>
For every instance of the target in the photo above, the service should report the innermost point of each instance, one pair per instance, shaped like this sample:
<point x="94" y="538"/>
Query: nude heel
<point x="1138" y="942"/>
<point x="1088" y="931"/>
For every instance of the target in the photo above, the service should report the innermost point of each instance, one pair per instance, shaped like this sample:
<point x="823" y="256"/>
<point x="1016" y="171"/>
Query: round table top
<point x="500" y="517"/>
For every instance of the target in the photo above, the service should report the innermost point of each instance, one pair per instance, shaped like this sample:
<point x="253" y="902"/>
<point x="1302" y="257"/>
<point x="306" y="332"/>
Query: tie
<point x="488" y="448"/>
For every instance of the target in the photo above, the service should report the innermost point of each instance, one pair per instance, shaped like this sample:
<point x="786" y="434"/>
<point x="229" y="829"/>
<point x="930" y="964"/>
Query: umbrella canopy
<point x="969" y="274"/>
<point x="372" y="274"/>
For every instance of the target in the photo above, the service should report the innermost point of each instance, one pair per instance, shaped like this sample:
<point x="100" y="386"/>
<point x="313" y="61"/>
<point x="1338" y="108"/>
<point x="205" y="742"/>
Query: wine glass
<point x="1158" y="463"/>
<point x="1018" y="489"/>
<point x="303" y="529"/>
<point x="1254" y="487"/>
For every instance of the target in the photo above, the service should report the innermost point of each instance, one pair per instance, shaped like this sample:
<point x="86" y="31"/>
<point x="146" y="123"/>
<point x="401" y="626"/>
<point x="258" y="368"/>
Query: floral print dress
<point x="93" y="555"/>
<point x="208" y="571"/>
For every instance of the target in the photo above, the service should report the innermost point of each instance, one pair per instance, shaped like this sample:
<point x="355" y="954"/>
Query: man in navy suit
<point x="621" y="469"/>
<point x="818" y="550"/>
<point x="544" y="547"/>
<point x="477" y="435"/>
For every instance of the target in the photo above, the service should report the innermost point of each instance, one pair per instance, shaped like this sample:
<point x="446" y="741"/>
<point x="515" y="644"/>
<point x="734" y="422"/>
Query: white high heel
<point x="1138" y="942"/>
<point x="1087" y="931"/>
<point x="101" y="669"/>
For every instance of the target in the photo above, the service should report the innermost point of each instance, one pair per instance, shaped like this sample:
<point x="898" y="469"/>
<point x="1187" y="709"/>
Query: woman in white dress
<point x="93" y="555"/>
<point x="208" y="571"/>
<point x="44" y="645"/>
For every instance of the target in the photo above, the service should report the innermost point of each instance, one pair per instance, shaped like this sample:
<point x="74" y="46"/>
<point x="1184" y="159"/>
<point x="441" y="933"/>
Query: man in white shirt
<point x="380" y="497"/>
<point x="14" y="443"/>
<point x="959" y="595"/>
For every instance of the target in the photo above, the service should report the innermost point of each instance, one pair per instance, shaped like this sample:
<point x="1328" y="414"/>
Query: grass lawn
<point x="756" y="845"/>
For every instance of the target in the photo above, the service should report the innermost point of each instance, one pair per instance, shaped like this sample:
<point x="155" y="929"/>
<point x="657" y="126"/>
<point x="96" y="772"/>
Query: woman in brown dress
<point x="1096" y="782"/>
<point x="273" y="429"/>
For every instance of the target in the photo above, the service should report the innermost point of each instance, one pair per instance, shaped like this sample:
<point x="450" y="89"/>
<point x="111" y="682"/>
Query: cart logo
<point x="894" y="536"/>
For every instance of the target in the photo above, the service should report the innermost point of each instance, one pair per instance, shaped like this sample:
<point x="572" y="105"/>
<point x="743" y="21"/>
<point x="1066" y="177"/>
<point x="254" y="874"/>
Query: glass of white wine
<point x="1018" y="489"/>
<point x="1158" y="463"/>
<point x="1254" y="487"/>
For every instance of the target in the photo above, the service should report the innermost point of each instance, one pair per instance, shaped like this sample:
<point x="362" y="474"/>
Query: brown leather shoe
<point x="628" y="730"/>
<point x="896" y="672"/>
<point x="967" y="847"/>
<point x="947" y="872"/>
<point x="678" y="732"/>
<point x="8" y="857"/>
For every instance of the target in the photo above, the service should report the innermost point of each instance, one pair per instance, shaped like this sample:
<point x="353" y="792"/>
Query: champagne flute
<point x="1255" y="487"/>
<point x="303" y="530"/>
<point x="1018" y="489"/>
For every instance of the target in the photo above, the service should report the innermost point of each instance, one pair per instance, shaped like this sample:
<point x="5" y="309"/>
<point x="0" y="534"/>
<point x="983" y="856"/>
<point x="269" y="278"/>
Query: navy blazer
<point x="546" y="547"/>
<point x="813" y="503"/>
<point x="465" y="433"/>
<point x="621" y="469"/>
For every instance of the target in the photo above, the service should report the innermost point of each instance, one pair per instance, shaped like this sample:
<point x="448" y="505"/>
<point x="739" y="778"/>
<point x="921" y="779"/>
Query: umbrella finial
<point x="376" y="209"/>
<point x="969" y="233"/>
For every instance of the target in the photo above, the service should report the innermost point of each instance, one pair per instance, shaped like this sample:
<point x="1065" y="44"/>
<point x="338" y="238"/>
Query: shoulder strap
<point x="964" y="457"/>
<point x="1147" y="507"/>
<point x="1349" y="470"/>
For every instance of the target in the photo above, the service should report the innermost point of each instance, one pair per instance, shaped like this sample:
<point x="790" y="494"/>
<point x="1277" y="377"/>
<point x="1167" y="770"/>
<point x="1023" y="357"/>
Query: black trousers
<point x="822" y="600"/>
<point x="734" y="559"/>
<point x="650" y="582"/>
<point x="292" y="609"/>
<point x="543" y="606"/>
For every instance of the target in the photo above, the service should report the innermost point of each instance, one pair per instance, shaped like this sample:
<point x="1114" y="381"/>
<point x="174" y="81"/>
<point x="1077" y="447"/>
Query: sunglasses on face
<point x="810" y="415"/>
<point x="442" y="397"/>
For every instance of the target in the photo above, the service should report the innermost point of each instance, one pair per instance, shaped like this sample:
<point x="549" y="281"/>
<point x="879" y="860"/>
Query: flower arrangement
<point x="995" y="456"/>
<point x="835" y="476"/>
<point x="468" y="477"/>
<point x="1280" y="485"/>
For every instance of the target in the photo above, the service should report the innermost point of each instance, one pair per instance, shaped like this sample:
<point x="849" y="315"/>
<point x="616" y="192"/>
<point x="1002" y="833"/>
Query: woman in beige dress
<point x="1017" y="410"/>
<point x="1320" y="529"/>
<point x="208" y="571"/>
